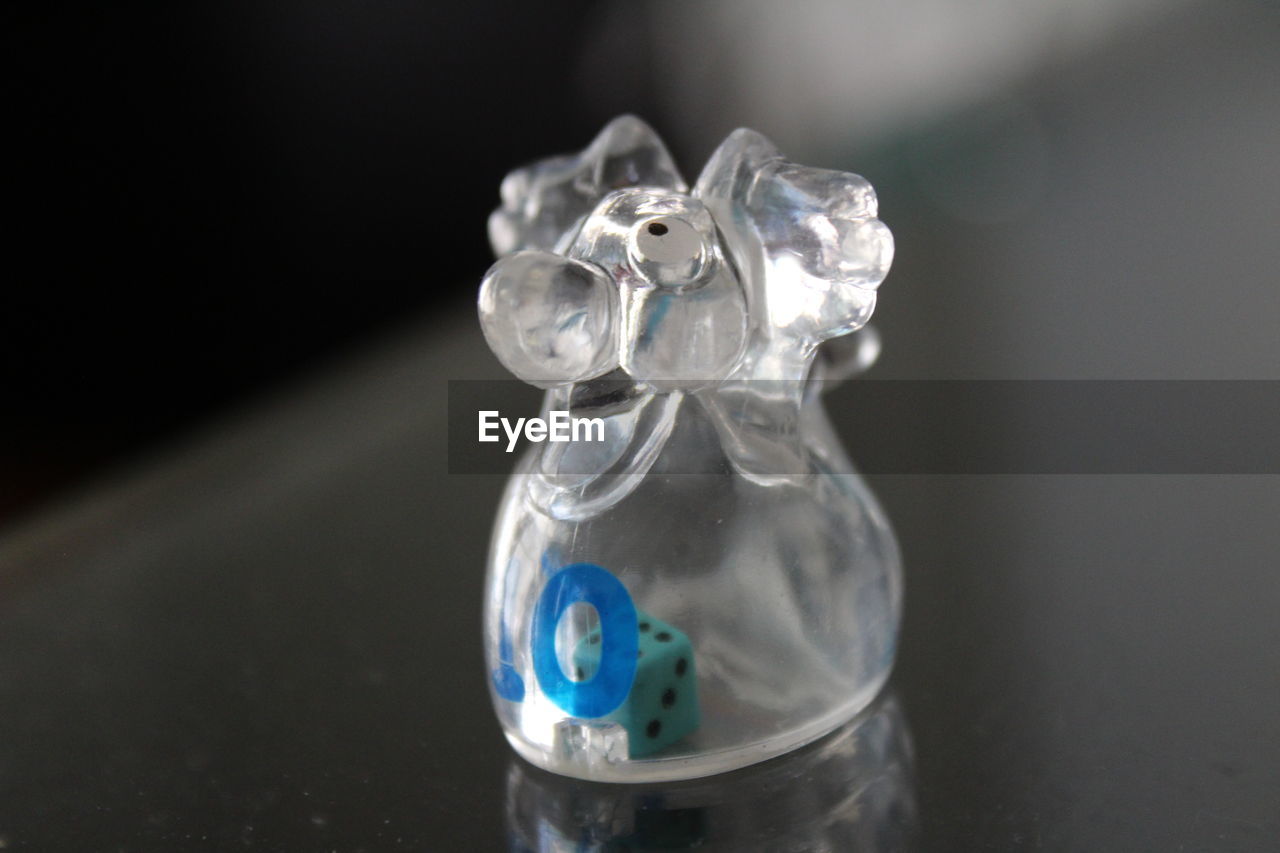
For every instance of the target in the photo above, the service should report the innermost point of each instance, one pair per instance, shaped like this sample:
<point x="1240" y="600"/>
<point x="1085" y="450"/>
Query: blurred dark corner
<point x="207" y="201"/>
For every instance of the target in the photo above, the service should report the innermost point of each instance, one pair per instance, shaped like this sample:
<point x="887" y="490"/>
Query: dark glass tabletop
<point x="269" y="637"/>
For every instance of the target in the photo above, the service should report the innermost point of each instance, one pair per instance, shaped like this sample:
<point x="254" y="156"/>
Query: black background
<point x="209" y="199"/>
<point x="206" y="199"/>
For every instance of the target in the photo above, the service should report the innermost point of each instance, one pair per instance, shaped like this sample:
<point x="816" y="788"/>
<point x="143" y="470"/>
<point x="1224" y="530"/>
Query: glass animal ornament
<point x="711" y="584"/>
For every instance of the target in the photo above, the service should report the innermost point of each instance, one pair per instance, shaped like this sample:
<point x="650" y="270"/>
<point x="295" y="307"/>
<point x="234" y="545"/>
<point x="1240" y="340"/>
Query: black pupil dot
<point x="662" y="637"/>
<point x="681" y="666"/>
<point x="653" y="728"/>
<point x="668" y="698"/>
<point x="657" y="229"/>
<point x="644" y="626"/>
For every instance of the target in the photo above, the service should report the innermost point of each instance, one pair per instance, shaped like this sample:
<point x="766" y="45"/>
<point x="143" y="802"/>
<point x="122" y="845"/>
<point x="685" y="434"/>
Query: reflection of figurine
<point x="718" y="501"/>
<point x="851" y="791"/>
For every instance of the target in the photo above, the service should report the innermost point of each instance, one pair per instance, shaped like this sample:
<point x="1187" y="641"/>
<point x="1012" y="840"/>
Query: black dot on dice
<point x="639" y="653"/>
<point x="668" y="698"/>
<point x="595" y="638"/>
<point x="654" y="727"/>
<point x="644" y="626"/>
<point x="581" y="675"/>
<point x="682" y="666"/>
<point x="662" y="637"/>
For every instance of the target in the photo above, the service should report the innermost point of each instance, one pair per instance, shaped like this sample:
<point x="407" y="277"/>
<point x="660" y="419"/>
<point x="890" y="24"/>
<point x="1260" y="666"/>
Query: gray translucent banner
<point x="981" y="426"/>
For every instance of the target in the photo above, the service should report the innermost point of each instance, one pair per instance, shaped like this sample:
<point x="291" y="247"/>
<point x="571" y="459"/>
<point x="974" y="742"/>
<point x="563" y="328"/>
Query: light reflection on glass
<point x="851" y="790"/>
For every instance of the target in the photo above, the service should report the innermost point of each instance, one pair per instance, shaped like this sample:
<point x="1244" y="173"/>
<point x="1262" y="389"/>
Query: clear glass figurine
<point x="708" y="583"/>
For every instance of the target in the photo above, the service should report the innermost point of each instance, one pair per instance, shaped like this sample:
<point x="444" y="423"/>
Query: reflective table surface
<point x="268" y="637"/>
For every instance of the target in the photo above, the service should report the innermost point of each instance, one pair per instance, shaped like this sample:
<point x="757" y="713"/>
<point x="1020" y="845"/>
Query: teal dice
<point x="662" y="706"/>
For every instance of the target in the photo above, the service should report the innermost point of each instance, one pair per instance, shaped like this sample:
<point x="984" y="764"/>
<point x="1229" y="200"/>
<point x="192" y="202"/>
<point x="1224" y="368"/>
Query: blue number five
<point x="620" y="640"/>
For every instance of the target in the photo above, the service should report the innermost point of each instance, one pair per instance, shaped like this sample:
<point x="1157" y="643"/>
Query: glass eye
<point x="668" y="250"/>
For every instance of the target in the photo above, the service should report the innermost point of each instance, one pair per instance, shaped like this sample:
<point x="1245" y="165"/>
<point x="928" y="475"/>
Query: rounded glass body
<point x="787" y="589"/>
